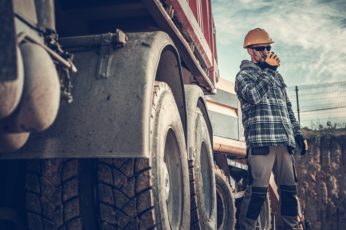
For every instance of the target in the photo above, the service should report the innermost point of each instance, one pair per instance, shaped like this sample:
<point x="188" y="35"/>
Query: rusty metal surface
<point x="198" y="26"/>
<point x="94" y="17"/>
<point x="109" y="117"/>
<point x="162" y="18"/>
<point x="228" y="146"/>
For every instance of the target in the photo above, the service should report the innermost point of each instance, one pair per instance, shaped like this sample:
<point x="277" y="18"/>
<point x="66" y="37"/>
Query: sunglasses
<point x="262" y="48"/>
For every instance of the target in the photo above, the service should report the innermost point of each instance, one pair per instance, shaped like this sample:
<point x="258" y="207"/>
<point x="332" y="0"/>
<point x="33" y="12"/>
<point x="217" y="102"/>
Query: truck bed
<point x="192" y="34"/>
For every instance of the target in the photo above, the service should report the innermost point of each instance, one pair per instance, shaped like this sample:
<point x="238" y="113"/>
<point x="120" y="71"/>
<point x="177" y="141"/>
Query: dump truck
<point x="113" y="116"/>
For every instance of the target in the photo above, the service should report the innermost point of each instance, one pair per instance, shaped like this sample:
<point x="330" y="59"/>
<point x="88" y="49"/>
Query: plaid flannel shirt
<point x="267" y="113"/>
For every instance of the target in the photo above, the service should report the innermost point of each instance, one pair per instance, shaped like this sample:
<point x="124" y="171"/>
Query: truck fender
<point x="110" y="114"/>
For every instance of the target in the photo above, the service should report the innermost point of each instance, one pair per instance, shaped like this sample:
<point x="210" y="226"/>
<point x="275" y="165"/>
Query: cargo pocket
<point x="260" y="150"/>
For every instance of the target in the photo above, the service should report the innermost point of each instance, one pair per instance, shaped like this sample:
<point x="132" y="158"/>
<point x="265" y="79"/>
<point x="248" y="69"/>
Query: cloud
<point x="310" y="36"/>
<point x="310" y="39"/>
<point x="320" y="103"/>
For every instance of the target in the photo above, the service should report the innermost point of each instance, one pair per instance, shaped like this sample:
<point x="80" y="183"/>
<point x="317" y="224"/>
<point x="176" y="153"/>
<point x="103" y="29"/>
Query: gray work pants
<point x="281" y="162"/>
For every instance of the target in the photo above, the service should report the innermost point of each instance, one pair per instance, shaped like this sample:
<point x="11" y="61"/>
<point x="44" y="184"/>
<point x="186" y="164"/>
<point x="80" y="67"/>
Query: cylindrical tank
<point x="11" y="91"/>
<point x="12" y="141"/>
<point x="41" y="95"/>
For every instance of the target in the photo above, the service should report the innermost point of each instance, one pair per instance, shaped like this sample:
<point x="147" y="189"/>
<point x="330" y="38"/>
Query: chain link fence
<point x="319" y="106"/>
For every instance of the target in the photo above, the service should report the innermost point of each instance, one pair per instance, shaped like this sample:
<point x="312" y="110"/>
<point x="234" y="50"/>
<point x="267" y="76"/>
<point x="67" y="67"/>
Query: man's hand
<point x="272" y="60"/>
<point x="302" y="143"/>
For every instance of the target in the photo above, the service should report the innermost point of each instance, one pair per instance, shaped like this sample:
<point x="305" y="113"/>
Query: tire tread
<point x="50" y="200"/>
<point x="231" y="210"/>
<point x="131" y="188"/>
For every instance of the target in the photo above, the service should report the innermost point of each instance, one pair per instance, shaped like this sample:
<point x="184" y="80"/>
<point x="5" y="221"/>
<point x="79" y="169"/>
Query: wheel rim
<point x="173" y="181"/>
<point x="206" y="180"/>
<point x="166" y="181"/>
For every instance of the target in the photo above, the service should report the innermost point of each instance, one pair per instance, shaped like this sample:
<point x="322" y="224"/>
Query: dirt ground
<point x="322" y="179"/>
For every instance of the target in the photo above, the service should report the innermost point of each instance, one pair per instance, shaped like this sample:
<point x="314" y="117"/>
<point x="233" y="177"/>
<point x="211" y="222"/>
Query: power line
<point x="322" y="109"/>
<point x="319" y="102"/>
<point x="320" y="85"/>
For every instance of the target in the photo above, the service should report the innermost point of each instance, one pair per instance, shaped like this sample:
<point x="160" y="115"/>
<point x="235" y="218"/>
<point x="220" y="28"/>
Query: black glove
<point x="300" y="142"/>
<point x="264" y="65"/>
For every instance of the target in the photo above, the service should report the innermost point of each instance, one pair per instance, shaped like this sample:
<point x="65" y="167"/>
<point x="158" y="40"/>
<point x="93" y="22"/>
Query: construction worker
<point x="271" y="131"/>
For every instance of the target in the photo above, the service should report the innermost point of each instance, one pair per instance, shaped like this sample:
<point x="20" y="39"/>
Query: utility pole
<point x="298" y="110"/>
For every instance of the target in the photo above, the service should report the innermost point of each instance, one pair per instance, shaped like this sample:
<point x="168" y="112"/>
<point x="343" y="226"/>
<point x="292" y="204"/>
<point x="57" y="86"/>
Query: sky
<point x="309" y="36"/>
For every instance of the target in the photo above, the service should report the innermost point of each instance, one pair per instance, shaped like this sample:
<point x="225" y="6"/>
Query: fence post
<point x="297" y="98"/>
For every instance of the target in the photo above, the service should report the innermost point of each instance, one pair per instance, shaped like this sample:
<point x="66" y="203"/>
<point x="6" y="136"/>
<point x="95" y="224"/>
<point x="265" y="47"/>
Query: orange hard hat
<point x="257" y="36"/>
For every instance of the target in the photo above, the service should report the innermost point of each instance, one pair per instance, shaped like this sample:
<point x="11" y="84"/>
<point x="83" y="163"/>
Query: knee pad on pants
<point x="258" y="196"/>
<point x="289" y="201"/>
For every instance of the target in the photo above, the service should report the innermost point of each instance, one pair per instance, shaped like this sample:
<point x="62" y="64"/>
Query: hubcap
<point x="172" y="173"/>
<point x="166" y="181"/>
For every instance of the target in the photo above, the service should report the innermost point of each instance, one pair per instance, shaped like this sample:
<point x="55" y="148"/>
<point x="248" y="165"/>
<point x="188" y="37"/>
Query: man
<point x="271" y="131"/>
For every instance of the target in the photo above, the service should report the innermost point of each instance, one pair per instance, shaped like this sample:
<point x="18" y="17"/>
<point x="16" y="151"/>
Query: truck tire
<point x="117" y="193"/>
<point x="149" y="193"/>
<point x="59" y="194"/>
<point x="225" y="201"/>
<point x="264" y="219"/>
<point x="202" y="179"/>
